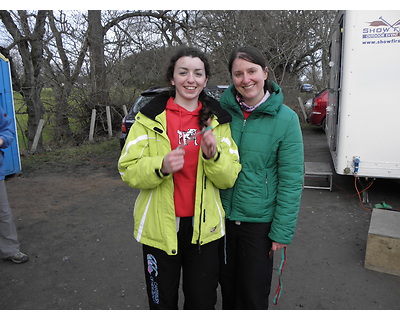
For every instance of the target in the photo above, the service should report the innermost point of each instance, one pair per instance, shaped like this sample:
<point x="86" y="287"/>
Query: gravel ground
<point x="75" y="223"/>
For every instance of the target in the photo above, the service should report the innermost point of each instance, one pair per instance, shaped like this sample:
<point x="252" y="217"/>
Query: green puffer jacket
<point x="270" y="143"/>
<point x="140" y="167"/>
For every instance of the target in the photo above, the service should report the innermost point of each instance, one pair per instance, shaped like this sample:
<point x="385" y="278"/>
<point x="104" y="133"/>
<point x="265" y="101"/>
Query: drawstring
<point x="280" y="282"/>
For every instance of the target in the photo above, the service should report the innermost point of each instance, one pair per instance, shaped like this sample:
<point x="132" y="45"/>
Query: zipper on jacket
<point x="202" y="217"/>
<point x="205" y="187"/>
<point x="234" y="187"/>
<point x="244" y="124"/>
<point x="200" y="222"/>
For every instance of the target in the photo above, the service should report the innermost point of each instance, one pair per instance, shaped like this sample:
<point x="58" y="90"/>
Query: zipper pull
<point x="244" y="124"/>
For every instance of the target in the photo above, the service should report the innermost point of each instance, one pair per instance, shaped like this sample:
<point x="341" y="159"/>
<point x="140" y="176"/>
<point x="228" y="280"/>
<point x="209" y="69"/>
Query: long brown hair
<point x="205" y="112"/>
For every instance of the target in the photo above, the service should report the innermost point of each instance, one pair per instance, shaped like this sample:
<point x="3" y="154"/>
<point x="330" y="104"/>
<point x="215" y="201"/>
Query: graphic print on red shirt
<point x="182" y="125"/>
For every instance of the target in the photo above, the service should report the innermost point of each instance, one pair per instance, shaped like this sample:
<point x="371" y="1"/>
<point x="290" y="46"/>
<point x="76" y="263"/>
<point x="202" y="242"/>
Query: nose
<point x="246" y="78"/>
<point x="190" y="77"/>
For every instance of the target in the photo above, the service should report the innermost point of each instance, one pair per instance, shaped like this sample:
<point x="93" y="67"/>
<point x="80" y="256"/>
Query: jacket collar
<point x="158" y="103"/>
<point x="270" y="106"/>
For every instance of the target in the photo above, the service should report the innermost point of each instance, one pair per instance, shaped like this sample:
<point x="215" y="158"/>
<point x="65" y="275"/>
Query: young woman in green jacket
<point x="180" y="153"/>
<point x="263" y="205"/>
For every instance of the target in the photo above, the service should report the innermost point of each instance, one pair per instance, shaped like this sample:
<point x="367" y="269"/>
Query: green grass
<point x="119" y="96"/>
<point x="72" y="155"/>
<point x="22" y="117"/>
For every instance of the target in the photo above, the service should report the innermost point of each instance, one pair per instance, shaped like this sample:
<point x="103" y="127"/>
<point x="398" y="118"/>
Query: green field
<point x="22" y="117"/>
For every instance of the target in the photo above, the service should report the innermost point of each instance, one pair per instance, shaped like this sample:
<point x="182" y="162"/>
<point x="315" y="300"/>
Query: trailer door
<point x="334" y="83"/>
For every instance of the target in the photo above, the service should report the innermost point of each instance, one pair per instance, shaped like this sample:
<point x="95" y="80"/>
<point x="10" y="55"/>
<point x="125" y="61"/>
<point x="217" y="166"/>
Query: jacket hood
<point x="270" y="106"/>
<point x="158" y="103"/>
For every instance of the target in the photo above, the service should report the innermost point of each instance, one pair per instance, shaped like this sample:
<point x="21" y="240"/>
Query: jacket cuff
<point x="161" y="174"/>
<point x="216" y="156"/>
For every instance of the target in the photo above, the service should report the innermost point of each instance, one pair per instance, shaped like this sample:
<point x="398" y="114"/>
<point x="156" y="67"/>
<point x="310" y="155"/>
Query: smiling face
<point x="249" y="79"/>
<point x="189" y="79"/>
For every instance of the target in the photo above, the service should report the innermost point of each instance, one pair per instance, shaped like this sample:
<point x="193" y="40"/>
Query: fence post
<point x="92" y="122"/>
<point x="302" y="108"/>
<point x="109" y="121"/>
<point x="37" y="135"/>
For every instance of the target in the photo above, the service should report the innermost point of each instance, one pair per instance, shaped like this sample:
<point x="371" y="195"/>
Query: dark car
<point x="147" y="95"/>
<point x="306" y="87"/>
<point x="319" y="104"/>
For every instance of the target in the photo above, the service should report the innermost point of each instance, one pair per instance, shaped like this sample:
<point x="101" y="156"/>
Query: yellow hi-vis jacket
<point x="140" y="167"/>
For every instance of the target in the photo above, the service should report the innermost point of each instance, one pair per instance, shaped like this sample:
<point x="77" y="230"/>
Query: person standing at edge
<point x="9" y="244"/>
<point x="263" y="205"/>
<point x="179" y="164"/>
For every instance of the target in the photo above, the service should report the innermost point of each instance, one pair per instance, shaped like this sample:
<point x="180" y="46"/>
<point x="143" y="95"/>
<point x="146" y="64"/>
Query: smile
<point x="190" y="88"/>
<point x="248" y="87"/>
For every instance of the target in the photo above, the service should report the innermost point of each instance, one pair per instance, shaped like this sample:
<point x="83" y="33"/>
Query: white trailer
<point x="363" y="115"/>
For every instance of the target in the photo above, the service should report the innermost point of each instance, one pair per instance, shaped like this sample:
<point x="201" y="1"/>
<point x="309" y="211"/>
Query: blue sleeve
<point x="7" y="132"/>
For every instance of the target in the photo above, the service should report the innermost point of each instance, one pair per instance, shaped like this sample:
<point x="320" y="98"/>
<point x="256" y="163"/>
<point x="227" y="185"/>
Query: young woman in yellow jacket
<point x="179" y="153"/>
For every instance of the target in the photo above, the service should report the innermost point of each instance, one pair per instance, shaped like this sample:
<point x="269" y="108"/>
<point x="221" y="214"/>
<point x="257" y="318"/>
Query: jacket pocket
<point x="212" y="218"/>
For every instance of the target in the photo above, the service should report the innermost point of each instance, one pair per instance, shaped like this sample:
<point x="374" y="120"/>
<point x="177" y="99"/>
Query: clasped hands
<point x="174" y="160"/>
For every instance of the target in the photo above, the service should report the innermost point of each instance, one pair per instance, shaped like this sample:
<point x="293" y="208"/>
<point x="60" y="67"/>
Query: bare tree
<point x="62" y="69"/>
<point x="29" y="40"/>
<point x="293" y="41"/>
<point x="100" y="95"/>
<point x="87" y="62"/>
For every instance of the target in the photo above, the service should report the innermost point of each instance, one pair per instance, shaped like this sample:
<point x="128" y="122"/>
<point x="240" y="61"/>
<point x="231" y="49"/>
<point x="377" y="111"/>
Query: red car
<point x="318" y="105"/>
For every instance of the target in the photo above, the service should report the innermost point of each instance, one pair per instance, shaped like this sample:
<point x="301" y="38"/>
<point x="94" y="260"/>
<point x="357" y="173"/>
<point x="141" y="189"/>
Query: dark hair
<point x="186" y="52"/>
<point x="205" y="112"/>
<point x="252" y="55"/>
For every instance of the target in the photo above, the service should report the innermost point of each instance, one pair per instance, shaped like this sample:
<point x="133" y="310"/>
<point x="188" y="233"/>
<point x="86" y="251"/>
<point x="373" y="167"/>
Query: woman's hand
<point x="208" y="142"/>
<point x="277" y="246"/>
<point x="173" y="161"/>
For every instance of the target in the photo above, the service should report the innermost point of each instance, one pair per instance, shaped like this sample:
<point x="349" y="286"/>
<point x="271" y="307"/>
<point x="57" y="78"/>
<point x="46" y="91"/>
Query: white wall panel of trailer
<point x="363" y="121"/>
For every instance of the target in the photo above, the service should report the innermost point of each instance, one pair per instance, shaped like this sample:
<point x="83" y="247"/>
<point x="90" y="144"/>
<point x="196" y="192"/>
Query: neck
<point x="254" y="101"/>
<point x="189" y="105"/>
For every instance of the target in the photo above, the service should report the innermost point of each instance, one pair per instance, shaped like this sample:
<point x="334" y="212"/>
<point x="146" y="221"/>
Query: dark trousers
<point x="246" y="266"/>
<point x="199" y="265"/>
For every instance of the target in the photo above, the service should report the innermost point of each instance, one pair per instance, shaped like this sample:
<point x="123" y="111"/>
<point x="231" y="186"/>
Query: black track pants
<point x="199" y="267"/>
<point x="246" y="267"/>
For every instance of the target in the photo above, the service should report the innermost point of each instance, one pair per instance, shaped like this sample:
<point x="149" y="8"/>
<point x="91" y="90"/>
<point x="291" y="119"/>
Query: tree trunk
<point x="100" y="94"/>
<point x="61" y="83"/>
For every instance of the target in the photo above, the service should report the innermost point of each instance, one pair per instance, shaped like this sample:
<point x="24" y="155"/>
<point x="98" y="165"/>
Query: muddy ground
<point x="75" y="223"/>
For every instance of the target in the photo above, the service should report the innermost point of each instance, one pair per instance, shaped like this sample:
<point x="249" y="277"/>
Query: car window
<point x="216" y="94"/>
<point x="321" y="92"/>
<point x="140" y="103"/>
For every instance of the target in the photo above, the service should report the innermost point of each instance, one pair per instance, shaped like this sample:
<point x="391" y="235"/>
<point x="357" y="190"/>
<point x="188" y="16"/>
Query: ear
<point x="205" y="84"/>
<point x="172" y="83"/>
<point x="265" y="73"/>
